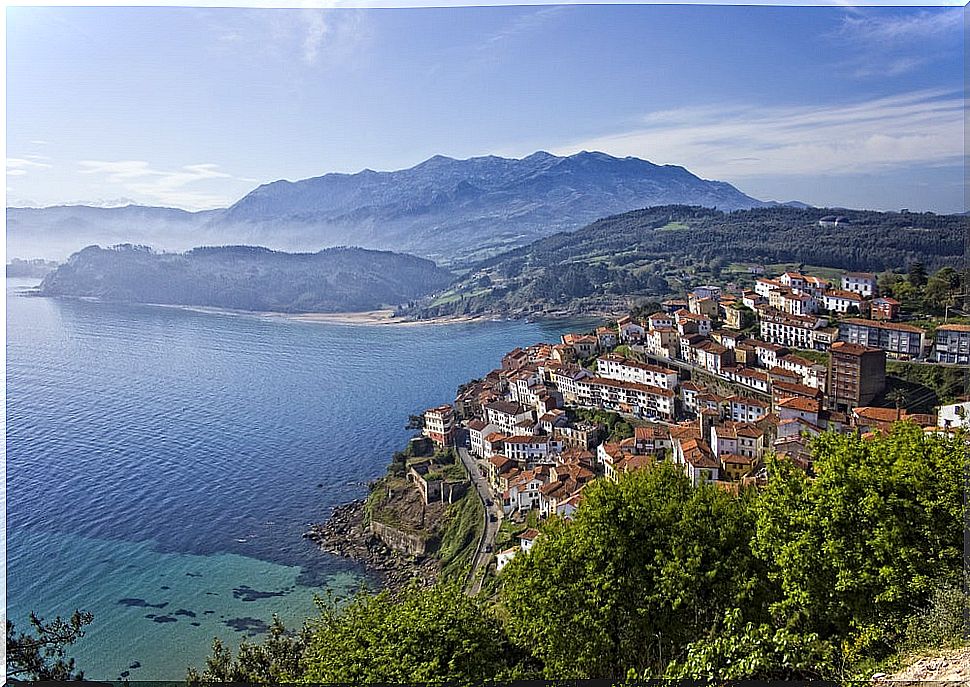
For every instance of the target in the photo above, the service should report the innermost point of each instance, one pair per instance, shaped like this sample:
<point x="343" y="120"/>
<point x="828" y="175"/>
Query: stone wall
<point x="413" y="544"/>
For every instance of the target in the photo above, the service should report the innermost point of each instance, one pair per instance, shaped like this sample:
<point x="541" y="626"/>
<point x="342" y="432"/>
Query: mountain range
<point x="452" y="211"/>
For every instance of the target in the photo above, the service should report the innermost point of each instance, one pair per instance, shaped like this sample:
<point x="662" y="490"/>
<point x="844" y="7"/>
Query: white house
<point x="618" y="367"/>
<point x="839" y="300"/>
<point x="503" y="558"/>
<point x="954" y="415"/>
<point x="477" y="431"/>
<point x="748" y="409"/>
<point x="863" y="283"/>
<point x="629" y="330"/>
<point x="509" y="416"/>
<point x="526" y="448"/>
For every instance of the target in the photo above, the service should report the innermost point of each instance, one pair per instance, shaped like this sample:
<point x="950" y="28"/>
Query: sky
<point x="193" y="107"/>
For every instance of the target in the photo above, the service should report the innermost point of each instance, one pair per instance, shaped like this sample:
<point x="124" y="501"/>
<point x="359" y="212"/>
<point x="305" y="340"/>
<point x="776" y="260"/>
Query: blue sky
<point x="193" y="107"/>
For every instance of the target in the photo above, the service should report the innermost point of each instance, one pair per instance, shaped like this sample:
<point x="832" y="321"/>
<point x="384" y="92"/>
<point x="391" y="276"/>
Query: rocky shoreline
<point x="346" y="534"/>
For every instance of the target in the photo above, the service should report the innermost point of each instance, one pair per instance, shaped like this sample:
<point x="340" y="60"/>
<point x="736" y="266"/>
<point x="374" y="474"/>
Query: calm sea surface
<point x="162" y="464"/>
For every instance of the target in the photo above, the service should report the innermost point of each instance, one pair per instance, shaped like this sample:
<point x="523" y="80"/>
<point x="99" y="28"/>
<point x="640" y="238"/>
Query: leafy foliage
<point x="806" y="578"/>
<point x="40" y="654"/>
<point x="277" y="659"/>
<point x="738" y="651"/>
<point x="929" y="295"/>
<point x="639" y="574"/>
<point x="857" y="549"/>
<point x="434" y="635"/>
<point x="616" y="427"/>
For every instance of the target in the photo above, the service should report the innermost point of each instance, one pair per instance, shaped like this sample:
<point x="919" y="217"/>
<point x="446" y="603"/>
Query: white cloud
<point x="524" y="24"/>
<point x="316" y="31"/>
<point x="315" y="34"/>
<point x="738" y="141"/>
<point x="881" y="28"/>
<point x="20" y="166"/>
<point x="138" y="178"/>
<point x="879" y="44"/>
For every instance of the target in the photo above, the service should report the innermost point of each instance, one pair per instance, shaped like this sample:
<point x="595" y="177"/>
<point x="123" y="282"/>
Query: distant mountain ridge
<point x="445" y="209"/>
<point x="662" y="251"/>
<point x="247" y="278"/>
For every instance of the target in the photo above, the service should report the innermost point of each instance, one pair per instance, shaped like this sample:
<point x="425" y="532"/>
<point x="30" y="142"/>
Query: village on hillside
<point x="713" y="383"/>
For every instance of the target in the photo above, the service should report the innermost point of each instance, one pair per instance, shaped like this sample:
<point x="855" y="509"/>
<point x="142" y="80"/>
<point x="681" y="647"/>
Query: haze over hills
<point x="247" y="278"/>
<point x="444" y="209"/>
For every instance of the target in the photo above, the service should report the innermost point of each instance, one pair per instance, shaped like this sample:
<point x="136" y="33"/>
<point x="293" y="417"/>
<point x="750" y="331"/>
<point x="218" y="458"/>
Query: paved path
<point x="473" y="583"/>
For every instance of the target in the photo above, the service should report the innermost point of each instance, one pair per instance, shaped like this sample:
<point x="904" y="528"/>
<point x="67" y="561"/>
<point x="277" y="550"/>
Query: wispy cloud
<point x="494" y="46"/>
<point x="524" y="24"/>
<point x="140" y="179"/>
<point x="316" y="30"/>
<point x="902" y="28"/>
<point x="318" y="35"/>
<point x="738" y="141"/>
<point x="20" y="166"/>
<point x="878" y="43"/>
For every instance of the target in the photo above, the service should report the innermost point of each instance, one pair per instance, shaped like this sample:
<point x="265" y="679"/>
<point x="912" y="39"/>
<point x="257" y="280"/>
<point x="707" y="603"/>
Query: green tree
<point x="856" y="549"/>
<point x="917" y="274"/>
<point x="735" y="650"/>
<point x="949" y="276"/>
<point x="278" y="658"/>
<point x="431" y="635"/>
<point x="939" y="291"/>
<point x="887" y="282"/>
<point x="644" y="568"/>
<point x="40" y="654"/>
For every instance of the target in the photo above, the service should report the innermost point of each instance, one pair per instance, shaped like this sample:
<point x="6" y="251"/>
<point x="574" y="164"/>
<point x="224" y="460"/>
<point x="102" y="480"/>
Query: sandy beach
<point x="372" y="317"/>
<point x="367" y="317"/>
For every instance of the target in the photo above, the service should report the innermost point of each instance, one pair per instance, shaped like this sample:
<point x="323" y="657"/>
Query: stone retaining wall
<point x="412" y="544"/>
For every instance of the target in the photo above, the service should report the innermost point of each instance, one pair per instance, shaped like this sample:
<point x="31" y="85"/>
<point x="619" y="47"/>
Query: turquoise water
<point x="162" y="464"/>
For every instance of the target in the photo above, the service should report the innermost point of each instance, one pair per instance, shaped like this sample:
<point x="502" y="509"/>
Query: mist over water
<point x="163" y="464"/>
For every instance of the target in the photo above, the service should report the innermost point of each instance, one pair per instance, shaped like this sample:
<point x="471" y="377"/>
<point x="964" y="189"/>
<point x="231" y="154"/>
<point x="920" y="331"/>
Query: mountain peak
<point x="443" y="208"/>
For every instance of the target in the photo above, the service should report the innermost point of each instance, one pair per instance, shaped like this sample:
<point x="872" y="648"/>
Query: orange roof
<point x="844" y="295"/>
<point x="853" y="349"/>
<point x="798" y="360"/>
<point x="807" y="405"/>
<point x="499" y="461"/>
<point x="646" y="433"/>
<point x="635" y="463"/>
<point x="736" y="459"/>
<point x="879" y="324"/>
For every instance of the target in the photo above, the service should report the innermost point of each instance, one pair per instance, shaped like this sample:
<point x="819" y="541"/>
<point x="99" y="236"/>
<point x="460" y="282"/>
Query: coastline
<point x="379" y="317"/>
<point x="363" y="317"/>
<point x="345" y="534"/>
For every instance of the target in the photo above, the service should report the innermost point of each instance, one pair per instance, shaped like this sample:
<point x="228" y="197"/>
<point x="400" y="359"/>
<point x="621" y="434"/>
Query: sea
<point x="162" y="464"/>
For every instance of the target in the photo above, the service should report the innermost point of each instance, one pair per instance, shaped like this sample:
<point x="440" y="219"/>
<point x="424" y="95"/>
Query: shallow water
<point x="165" y="463"/>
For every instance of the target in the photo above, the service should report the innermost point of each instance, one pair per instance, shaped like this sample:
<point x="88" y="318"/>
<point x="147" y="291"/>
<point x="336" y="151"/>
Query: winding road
<point x="483" y="553"/>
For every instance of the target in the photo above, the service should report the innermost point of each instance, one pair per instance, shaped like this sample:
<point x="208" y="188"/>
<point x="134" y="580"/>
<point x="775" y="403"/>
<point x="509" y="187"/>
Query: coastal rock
<point x="346" y="534"/>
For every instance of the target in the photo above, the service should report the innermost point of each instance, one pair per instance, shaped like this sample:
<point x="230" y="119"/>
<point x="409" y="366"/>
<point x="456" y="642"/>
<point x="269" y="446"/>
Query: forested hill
<point x="248" y="278"/>
<point x="662" y="250"/>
